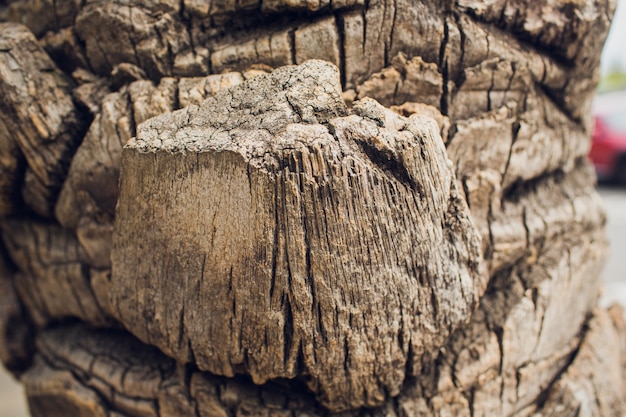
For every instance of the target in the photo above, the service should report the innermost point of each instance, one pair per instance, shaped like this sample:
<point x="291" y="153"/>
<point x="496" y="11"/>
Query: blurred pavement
<point x="12" y="402"/>
<point x="615" y="270"/>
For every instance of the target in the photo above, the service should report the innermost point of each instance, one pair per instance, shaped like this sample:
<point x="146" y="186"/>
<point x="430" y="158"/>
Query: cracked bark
<point x="271" y="140"/>
<point x="361" y="294"/>
<point x="40" y="128"/>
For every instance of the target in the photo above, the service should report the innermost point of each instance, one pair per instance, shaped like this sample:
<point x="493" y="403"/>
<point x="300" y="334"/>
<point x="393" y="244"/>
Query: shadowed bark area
<point x="284" y="244"/>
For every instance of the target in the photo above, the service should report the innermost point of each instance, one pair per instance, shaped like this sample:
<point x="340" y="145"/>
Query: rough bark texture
<point x="41" y="125"/>
<point x="309" y="234"/>
<point x="290" y="246"/>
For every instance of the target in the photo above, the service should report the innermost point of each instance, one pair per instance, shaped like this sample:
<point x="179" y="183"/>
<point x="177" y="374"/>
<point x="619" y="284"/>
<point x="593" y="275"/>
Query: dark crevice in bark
<point x="389" y="164"/>
<point x="53" y="363"/>
<point x="443" y="67"/>
<point x="292" y="45"/>
<point x="340" y="24"/>
<point x="392" y="30"/>
<point x="532" y="43"/>
<point x="516" y="191"/>
<point x="527" y="230"/>
<point x="552" y="95"/>
<point x="21" y="327"/>
<point x="470" y="400"/>
<point x="252" y="22"/>
<point x="85" y="276"/>
<point x="515" y="128"/>
<point x="18" y="328"/>
<point x="132" y="117"/>
<point x="570" y="358"/>
<point x="460" y="78"/>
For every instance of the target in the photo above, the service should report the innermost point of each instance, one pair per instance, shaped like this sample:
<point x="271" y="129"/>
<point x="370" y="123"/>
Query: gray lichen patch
<point x="311" y="95"/>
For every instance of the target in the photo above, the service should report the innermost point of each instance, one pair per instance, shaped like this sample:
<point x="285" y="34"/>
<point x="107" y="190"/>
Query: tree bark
<point x="199" y="217"/>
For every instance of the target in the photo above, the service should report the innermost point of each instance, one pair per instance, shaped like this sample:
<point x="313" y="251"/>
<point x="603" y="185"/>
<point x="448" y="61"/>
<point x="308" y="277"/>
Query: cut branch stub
<point x="269" y="232"/>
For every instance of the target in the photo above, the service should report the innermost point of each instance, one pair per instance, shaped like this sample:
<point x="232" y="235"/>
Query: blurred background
<point x="608" y="154"/>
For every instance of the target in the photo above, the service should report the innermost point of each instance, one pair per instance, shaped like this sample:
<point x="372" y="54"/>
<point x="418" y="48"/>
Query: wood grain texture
<point x="53" y="278"/>
<point x="579" y="391"/>
<point x="114" y="368"/>
<point x="40" y="125"/>
<point x="87" y="200"/>
<point x="288" y="185"/>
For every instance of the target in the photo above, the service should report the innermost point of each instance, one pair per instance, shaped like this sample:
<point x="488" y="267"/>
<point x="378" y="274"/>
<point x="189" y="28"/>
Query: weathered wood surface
<point x="53" y="279"/>
<point x="302" y="241"/>
<point x="87" y="200"/>
<point x="112" y="373"/>
<point x="40" y="125"/>
<point x="588" y="387"/>
<point x="510" y="86"/>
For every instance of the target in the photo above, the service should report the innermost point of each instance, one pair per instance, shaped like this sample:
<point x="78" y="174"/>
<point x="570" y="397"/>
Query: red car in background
<point x="608" y="147"/>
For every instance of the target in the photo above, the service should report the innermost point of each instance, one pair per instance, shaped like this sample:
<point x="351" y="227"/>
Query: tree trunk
<point x="349" y="208"/>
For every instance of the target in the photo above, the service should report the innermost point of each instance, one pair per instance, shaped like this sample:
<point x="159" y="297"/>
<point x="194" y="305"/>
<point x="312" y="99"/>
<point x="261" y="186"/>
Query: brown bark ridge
<point x="41" y="126"/>
<point x="291" y="247"/>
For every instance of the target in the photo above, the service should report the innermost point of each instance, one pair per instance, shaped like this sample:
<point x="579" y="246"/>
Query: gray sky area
<point x="614" y="54"/>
